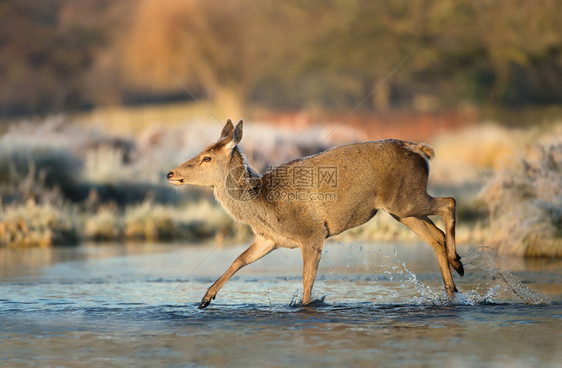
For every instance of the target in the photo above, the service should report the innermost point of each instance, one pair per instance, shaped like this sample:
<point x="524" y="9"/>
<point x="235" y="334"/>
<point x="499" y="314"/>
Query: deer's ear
<point x="235" y="136"/>
<point x="228" y="128"/>
<point x="238" y="132"/>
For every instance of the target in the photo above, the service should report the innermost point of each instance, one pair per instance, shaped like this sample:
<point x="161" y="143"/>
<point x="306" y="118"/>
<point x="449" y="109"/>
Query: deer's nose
<point x="170" y="174"/>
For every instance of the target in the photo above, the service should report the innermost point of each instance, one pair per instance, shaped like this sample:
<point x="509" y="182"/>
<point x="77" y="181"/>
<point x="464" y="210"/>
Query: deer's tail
<point x="422" y="149"/>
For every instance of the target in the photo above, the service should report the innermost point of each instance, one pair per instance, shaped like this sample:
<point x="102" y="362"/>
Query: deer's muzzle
<point x="173" y="179"/>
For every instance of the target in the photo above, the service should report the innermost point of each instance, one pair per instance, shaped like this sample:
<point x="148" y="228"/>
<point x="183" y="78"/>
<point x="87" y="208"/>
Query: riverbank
<point x="63" y="181"/>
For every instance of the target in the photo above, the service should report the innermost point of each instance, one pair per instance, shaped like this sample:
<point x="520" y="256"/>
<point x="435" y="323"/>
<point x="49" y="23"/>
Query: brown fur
<point x="390" y="175"/>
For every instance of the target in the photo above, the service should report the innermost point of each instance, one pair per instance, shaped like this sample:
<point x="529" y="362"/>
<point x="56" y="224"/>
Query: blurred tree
<point x="58" y="54"/>
<point x="46" y="48"/>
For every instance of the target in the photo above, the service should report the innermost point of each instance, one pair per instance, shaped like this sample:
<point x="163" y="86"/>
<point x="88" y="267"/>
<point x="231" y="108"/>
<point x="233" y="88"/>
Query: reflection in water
<point x="105" y="305"/>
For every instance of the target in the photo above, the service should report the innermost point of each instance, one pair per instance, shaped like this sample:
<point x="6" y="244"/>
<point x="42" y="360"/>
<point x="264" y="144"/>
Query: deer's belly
<point x="280" y="241"/>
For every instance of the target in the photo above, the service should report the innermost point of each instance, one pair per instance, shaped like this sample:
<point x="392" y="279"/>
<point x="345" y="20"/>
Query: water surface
<point x="378" y="305"/>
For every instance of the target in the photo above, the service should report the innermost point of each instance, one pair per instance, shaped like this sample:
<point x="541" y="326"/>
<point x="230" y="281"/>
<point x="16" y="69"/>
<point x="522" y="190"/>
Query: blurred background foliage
<point x="59" y="54"/>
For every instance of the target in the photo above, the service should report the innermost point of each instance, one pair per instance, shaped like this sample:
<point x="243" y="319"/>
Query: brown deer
<point x="303" y="202"/>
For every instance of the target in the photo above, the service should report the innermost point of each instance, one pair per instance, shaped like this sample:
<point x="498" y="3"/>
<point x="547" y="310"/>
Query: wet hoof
<point x="205" y="302"/>
<point x="451" y="292"/>
<point x="313" y="302"/>
<point x="451" y="295"/>
<point x="457" y="265"/>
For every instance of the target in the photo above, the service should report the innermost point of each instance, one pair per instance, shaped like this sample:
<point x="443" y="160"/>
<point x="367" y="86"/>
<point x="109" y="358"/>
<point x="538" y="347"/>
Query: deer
<point x="303" y="202"/>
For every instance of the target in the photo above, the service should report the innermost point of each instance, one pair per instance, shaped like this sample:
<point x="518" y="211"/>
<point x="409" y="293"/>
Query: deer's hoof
<point x="204" y="304"/>
<point x="457" y="265"/>
<point x="206" y="301"/>
<point x="451" y="293"/>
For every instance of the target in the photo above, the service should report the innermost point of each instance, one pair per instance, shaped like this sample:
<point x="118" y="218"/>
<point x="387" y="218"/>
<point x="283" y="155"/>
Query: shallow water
<point x="378" y="305"/>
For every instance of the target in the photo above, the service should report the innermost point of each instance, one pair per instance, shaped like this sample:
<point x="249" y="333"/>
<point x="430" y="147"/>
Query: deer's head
<point x="211" y="166"/>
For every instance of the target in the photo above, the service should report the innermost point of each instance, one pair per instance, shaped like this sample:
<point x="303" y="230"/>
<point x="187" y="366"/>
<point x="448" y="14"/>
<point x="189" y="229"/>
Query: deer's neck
<point x="239" y="191"/>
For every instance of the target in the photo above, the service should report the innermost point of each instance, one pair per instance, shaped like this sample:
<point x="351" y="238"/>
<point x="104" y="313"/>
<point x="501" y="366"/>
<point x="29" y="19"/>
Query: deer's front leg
<point x="259" y="248"/>
<point x="311" y="258"/>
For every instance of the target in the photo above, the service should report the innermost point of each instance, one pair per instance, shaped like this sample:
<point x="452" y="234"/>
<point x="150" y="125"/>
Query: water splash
<point x="486" y="259"/>
<point x="491" y="289"/>
<point x="427" y="296"/>
<point x="315" y="300"/>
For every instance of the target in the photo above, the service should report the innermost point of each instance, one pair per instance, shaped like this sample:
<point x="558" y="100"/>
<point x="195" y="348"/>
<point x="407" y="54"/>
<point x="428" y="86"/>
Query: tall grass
<point x="525" y="202"/>
<point x="35" y="224"/>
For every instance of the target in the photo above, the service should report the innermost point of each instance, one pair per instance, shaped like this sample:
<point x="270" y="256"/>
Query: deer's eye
<point x="206" y="159"/>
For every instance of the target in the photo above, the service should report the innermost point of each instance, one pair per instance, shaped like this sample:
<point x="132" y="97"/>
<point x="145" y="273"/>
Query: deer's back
<point x="345" y="186"/>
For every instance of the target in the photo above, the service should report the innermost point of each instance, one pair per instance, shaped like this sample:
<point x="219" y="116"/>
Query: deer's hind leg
<point x="426" y="229"/>
<point x="445" y="207"/>
<point x="423" y="205"/>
